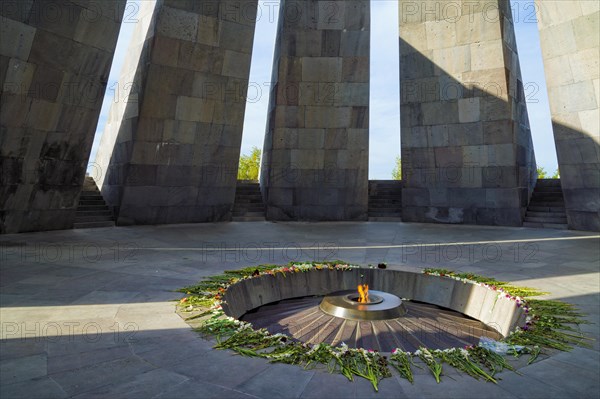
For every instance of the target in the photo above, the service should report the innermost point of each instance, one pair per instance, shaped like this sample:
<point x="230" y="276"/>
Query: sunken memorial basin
<point x="473" y="300"/>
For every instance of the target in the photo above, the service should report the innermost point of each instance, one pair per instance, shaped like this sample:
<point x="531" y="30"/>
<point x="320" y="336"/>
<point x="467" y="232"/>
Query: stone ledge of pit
<point x="473" y="300"/>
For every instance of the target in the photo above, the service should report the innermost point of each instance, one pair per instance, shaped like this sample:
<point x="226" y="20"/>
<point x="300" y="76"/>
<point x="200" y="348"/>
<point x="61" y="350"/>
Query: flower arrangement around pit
<point x="549" y="324"/>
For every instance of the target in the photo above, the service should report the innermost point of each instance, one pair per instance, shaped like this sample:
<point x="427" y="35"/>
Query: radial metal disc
<point x="423" y="325"/>
<point x="344" y="304"/>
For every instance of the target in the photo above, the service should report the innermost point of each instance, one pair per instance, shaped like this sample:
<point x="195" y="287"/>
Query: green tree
<point x="397" y="172"/>
<point x="556" y="174"/>
<point x="541" y="172"/>
<point x="249" y="165"/>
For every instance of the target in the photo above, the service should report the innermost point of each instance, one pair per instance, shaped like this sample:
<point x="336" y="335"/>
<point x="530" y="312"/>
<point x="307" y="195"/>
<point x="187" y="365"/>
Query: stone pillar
<point x="315" y="162"/>
<point x="467" y="154"/>
<point x="55" y="58"/>
<point x="570" y="40"/>
<point x="171" y="149"/>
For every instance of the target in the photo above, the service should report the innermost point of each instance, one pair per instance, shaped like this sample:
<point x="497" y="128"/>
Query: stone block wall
<point x="315" y="161"/>
<point x="55" y="58"/>
<point x="467" y="154"/>
<point x="570" y="41"/>
<point x="171" y="151"/>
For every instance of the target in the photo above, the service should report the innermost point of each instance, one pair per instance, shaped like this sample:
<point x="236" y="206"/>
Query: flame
<point x="363" y="291"/>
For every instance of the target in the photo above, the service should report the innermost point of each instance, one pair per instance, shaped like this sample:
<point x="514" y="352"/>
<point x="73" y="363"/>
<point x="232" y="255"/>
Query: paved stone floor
<point x="90" y="313"/>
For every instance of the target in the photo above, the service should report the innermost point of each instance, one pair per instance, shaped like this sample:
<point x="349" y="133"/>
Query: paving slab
<point x="279" y="382"/>
<point x="201" y="389"/>
<point x="140" y="386"/>
<point x="42" y="388"/>
<point x="98" y="375"/>
<point x="24" y="368"/>
<point x="109" y="327"/>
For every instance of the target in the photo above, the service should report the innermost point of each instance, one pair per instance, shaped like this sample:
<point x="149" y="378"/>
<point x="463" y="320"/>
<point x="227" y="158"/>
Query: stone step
<point x="243" y="211"/>
<point x="92" y="208"/>
<point x="552" y="204"/>
<point x="376" y="194"/>
<point x="396" y="208"/>
<point x="249" y="214"/>
<point x="382" y="186"/>
<point x="538" y="208"/>
<point x="91" y="202"/>
<point x="548" y="183"/>
<point x="384" y="219"/>
<point x="248" y="186"/>
<point x="243" y="205"/>
<point x="547" y="207"/>
<point x="546" y="219"/>
<point x="91" y="198"/>
<point x="385" y="196"/>
<point x="258" y="202"/>
<point x="546" y="214"/>
<point x="92" y="225"/>
<point x="248" y="218"/>
<point x="547" y="194"/>
<point x="239" y="191"/>
<point x="545" y="225"/>
<point x="385" y="214"/>
<point x="94" y="218"/>
<point x="257" y="198"/>
<point x="94" y="212"/>
<point x="388" y="212"/>
<point x="248" y="204"/>
<point x="379" y="202"/>
<point x="549" y="189"/>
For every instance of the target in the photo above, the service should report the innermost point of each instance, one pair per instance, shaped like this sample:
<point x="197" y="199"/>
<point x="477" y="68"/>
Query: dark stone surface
<point x="53" y="83"/>
<point x="315" y="158"/>
<point x="181" y="138"/>
<point x="467" y="157"/>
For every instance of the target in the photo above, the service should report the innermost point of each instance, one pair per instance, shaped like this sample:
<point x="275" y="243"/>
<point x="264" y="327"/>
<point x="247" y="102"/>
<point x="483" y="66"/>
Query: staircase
<point x="385" y="200"/>
<point x="92" y="211"/>
<point x="248" y="206"/>
<point x="547" y="207"/>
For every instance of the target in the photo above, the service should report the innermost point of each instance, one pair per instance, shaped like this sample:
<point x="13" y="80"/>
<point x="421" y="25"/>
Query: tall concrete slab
<point x="170" y="151"/>
<point x="315" y="159"/>
<point x="55" y="57"/>
<point x="467" y="154"/>
<point x="570" y="41"/>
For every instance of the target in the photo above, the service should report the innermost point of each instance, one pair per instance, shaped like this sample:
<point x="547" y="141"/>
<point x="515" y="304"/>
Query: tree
<point x="397" y="172"/>
<point x="541" y="172"/>
<point x="556" y="174"/>
<point x="249" y="165"/>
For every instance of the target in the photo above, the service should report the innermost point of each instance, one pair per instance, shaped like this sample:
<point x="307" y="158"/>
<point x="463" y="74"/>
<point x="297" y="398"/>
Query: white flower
<point x="343" y="348"/>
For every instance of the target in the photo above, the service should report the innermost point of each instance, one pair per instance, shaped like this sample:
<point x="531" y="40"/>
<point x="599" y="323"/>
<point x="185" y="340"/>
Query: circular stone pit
<point x="430" y="297"/>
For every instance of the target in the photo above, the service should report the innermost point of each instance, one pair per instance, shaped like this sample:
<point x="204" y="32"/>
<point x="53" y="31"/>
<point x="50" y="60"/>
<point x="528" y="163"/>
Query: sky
<point x="384" y="136"/>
